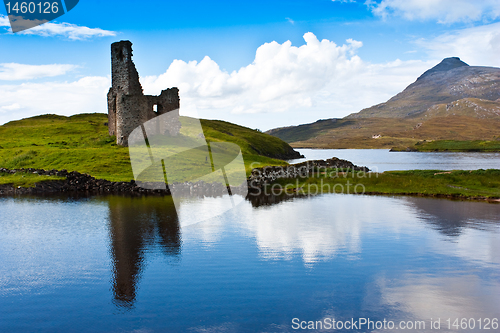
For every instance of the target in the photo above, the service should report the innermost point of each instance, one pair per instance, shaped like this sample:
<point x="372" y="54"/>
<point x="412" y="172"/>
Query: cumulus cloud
<point x="292" y="84"/>
<point x="444" y="11"/>
<point x="67" y="30"/>
<point x="319" y="76"/>
<point x="4" y="21"/>
<point x="478" y="46"/>
<point x="281" y="76"/>
<point x="86" y="95"/>
<point x="13" y="71"/>
<point x="12" y="107"/>
<point x="284" y="85"/>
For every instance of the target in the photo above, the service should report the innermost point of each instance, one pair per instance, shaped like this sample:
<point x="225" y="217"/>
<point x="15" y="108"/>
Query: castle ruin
<point x="128" y="107"/>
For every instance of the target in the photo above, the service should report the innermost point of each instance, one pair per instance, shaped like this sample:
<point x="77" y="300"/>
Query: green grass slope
<point x="81" y="143"/>
<point x="459" y="146"/>
<point x="252" y="142"/>
<point x="477" y="184"/>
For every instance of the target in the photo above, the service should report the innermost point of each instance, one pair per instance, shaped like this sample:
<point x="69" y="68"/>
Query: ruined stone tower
<point x="128" y="107"/>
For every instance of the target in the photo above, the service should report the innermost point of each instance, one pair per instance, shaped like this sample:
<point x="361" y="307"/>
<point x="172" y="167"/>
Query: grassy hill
<point x="458" y="146"/>
<point x="478" y="184"/>
<point x="81" y="143"/>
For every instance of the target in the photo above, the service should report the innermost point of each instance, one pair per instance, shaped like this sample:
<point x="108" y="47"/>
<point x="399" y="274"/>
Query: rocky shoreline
<point x="84" y="183"/>
<point x="266" y="175"/>
<point x="77" y="182"/>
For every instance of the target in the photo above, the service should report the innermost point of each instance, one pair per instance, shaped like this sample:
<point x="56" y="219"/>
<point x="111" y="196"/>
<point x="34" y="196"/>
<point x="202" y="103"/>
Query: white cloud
<point x="290" y="84"/>
<point x="278" y="71"/>
<point x="321" y="77"/>
<point x="13" y="71"/>
<point x="4" y="21"/>
<point x="67" y="30"/>
<point x="281" y="76"/>
<point x="444" y="11"/>
<point x="86" y="95"/>
<point x="12" y="107"/>
<point x="284" y="85"/>
<point x="15" y="106"/>
<point x="478" y="46"/>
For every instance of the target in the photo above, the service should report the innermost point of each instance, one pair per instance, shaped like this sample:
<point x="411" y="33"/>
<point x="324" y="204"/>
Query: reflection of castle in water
<point x="135" y="225"/>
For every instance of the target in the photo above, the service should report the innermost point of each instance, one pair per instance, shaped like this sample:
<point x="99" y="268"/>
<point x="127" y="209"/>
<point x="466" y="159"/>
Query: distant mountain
<point x="303" y="132"/>
<point x="451" y="101"/>
<point x="448" y="81"/>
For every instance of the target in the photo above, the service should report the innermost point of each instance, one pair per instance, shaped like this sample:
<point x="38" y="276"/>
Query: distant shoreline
<point x="441" y="146"/>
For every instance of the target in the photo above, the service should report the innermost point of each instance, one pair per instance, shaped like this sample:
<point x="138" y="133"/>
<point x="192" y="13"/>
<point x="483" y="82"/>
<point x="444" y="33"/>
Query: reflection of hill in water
<point x="135" y="224"/>
<point x="447" y="216"/>
<point x="451" y="217"/>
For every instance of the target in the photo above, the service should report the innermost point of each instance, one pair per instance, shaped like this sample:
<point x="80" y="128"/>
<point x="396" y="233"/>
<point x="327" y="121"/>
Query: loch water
<point x="122" y="264"/>
<point x="136" y="264"/>
<point x="380" y="160"/>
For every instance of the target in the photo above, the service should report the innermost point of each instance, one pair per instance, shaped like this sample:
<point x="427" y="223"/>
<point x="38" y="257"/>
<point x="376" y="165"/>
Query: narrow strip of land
<point x="478" y="184"/>
<point x="460" y="184"/>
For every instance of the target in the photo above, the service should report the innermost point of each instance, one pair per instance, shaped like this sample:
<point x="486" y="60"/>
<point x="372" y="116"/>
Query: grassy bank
<point x="464" y="184"/>
<point x="25" y="179"/>
<point x="459" y="146"/>
<point x="81" y="143"/>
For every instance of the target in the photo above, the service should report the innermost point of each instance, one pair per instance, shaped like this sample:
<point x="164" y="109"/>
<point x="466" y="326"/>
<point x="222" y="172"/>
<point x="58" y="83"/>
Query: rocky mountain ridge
<point x="448" y="81"/>
<point x="451" y="101"/>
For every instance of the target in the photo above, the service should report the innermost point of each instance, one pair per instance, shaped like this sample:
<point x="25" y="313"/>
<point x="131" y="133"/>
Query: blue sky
<point x="232" y="60"/>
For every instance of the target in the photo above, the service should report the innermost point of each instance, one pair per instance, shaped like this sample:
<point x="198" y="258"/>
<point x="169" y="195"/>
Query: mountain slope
<point x="450" y="80"/>
<point x="306" y="131"/>
<point x="451" y="101"/>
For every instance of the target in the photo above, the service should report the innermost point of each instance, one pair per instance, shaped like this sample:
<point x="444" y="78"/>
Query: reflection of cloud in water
<point x="472" y="245"/>
<point x="424" y="297"/>
<point x="323" y="226"/>
<point x="193" y="210"/>
<point x="478" y="245"/>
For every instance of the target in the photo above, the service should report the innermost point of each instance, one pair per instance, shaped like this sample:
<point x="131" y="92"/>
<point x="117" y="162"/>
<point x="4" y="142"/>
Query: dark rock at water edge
<point x="266" y="175"/>
<point x="84" y="183"/>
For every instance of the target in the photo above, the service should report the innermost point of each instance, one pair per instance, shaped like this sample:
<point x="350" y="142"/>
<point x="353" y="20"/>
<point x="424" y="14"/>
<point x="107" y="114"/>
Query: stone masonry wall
<point x="128" y="107"/>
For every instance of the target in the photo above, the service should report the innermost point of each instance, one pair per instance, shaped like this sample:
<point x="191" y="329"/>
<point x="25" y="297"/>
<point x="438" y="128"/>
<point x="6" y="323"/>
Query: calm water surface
<point x="117" y="264"/>
<point x="382" y="160"/>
